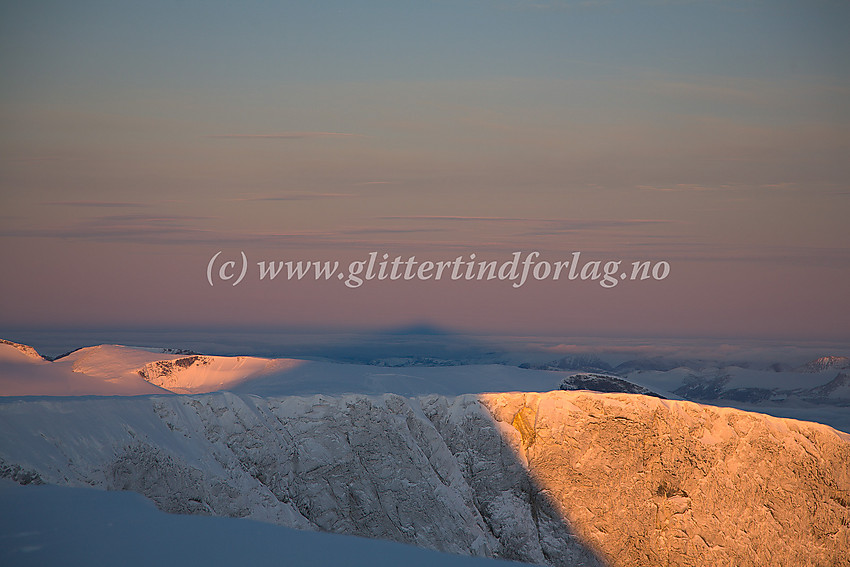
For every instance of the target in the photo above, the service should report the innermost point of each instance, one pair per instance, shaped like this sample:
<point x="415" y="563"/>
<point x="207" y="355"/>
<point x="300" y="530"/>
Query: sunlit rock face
<point x="561" y="478"/>
<point x="656" y="482"/>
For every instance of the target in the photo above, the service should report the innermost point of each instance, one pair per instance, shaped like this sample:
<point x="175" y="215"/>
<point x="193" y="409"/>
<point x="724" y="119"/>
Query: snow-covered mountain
<point x="813" y="391"/>
<point x="583" y="363"/>
<point x="827" y="363"/>
<point x="100" y="370"/>
<point x="122" y="370"/>
<point x="709" y="381"/>
<point x="559" y="478"/>
<point x="16" y="351"/>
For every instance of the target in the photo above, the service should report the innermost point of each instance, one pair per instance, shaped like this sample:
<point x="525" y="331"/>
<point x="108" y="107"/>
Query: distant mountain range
<point x="816" y="390"/>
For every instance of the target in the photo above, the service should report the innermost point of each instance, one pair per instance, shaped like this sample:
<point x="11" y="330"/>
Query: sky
<point x="138" y="140"/>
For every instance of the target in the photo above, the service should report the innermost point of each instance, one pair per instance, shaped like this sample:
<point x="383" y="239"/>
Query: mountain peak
<point x="826" y="363"/>
<point x="27" y="350"/>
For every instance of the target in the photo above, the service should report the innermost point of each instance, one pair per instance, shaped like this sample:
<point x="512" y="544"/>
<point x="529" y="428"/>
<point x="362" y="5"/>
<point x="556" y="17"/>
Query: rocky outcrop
<point x="603" y="383"/>
<point x="166" y="373"/>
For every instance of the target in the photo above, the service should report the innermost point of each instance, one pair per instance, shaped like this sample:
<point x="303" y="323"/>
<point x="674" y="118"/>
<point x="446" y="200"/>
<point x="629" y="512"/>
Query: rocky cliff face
<point x="562" y="478"/>
<point x="657" y="482"/>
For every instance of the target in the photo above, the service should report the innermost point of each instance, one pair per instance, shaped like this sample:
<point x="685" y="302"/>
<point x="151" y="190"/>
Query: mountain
<point x="835" y="391"/>
<point x="102" y="370"/>
<point x="826" y="363"/>
<point x="557" y="478"/>
<point x="123" y="370"/>
<point x="809" y="392"/>
<point x="15" y="351"/>
<point x="657" y="363"/>
<point x="603" y="383"/>
<point x="583" y="363"/>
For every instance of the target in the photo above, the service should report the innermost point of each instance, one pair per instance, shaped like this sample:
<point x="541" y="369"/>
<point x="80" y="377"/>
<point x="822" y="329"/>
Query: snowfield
<point x="52" y="526"/>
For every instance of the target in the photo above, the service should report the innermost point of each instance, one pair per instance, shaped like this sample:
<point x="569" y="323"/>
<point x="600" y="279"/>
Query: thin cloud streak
<point x="167" y="231"/>
<point x="389" y="230"/>
<point x="685" y="187"/>
<point x="565" y="224"/>
<point x="297" y="197"/>
<point x="101" y="204"/>
<point x="286" y="136"/>
<point x="149" y="218"/>
<point x="176" y="230"/>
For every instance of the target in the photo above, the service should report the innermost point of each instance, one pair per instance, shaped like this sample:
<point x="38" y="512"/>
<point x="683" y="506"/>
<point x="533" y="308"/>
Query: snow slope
<point x="559" y="478"/>
<point x="199" y="374"/>
<point x="48" y="526"/>
<point x="96" y="370"/>
<point x="18" y="352"/>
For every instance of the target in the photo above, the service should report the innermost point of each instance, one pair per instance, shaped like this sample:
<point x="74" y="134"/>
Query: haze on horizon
<point x="140" y="139"/>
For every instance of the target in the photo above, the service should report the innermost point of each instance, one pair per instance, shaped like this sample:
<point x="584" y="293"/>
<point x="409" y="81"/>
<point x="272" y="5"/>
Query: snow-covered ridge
<point x="813" y="391"/>
<point x="13" y="351"/>
<point x="559" y="478"/>
<point x="102" y="370"/>
<point x="123" y="370"/>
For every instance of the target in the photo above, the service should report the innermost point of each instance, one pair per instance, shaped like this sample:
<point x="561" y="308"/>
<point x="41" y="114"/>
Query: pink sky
<point x="116" y="189"/>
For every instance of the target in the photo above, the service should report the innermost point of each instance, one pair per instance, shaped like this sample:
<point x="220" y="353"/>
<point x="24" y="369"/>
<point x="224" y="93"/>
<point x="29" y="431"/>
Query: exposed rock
<point x="604" y="383"/>
<point x="657" y="482"/>
<point x="166" y="373"/>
